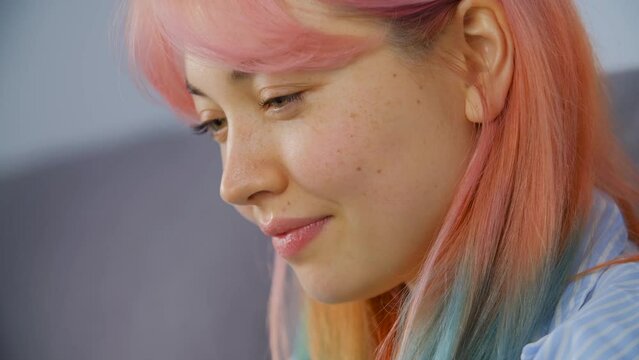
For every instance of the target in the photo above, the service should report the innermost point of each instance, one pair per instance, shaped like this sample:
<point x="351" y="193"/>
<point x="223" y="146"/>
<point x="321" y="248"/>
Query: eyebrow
<point x="235" y="76"/>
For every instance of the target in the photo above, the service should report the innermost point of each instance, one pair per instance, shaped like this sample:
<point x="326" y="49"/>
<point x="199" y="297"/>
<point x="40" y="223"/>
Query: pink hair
<point x="515" y="217"/>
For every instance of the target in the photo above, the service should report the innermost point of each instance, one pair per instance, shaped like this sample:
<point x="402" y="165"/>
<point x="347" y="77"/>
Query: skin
<point x="379" y="144"/>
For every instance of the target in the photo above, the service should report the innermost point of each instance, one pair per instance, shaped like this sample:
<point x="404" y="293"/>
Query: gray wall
<point x="612" y="26"/>
<point x="129" y="254"/>
<point x="64" y="88"/>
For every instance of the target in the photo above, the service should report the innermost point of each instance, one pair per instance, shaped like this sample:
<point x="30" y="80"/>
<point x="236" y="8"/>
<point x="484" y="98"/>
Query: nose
<point x="251" y="167"/>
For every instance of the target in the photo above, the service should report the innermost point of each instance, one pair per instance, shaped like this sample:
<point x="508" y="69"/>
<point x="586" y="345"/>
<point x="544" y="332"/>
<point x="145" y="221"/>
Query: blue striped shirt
<point x="597" y="316"/>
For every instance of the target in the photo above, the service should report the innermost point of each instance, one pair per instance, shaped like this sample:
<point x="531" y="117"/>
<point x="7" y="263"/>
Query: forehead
<point x="203" y="76"/>
<point x="195" y="66"/>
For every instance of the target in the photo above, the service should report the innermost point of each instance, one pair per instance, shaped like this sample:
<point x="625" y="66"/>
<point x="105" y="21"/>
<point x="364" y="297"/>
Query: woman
<point x="449" y="167"/>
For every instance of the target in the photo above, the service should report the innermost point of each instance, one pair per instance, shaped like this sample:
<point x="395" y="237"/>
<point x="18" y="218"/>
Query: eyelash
<point x="205" y="126"/>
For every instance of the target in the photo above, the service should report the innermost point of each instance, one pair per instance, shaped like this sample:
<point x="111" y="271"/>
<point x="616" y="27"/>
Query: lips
<point x="282" y="226"/>
<point x="290" y="236"/>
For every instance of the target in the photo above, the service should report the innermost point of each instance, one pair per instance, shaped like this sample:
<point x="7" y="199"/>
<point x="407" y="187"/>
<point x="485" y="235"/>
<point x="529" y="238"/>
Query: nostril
<point x="254" y="195"/>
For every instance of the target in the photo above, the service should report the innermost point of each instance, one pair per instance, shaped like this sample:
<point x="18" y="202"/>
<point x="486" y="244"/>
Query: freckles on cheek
<point x="332" y="159"/>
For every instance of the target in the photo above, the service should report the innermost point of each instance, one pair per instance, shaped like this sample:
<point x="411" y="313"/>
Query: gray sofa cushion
<point x="131" y="254"/>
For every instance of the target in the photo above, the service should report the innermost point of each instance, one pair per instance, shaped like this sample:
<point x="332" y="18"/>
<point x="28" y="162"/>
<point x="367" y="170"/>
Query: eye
<point x="212" y="125"/>
<point x="216" y="125"/>
<point x="280" y="101"/>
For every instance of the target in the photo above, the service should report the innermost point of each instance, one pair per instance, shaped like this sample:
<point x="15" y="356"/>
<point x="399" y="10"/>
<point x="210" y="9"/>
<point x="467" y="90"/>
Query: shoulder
<point x="606" y="326"/>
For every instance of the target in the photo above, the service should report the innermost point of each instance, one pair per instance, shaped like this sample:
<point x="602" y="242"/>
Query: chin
<point x="335" y="293"/>
<point x="327" y="293"/>
<point x="328" y="298"/>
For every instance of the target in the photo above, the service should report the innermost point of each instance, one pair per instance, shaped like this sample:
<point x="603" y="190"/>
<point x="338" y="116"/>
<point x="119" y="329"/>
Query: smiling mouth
<point x="290" y="243"/>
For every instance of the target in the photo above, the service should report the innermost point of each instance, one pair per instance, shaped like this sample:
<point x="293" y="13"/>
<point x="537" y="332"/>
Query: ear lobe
<point x="475" y="108"/>
<point x="489" y="55"/>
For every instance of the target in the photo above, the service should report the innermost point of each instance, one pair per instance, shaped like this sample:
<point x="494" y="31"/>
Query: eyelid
<point x="288" y="97"/>
<point x="204" y="126"/>
<point x="206" y="118"/>
<point x="283" y="89"/>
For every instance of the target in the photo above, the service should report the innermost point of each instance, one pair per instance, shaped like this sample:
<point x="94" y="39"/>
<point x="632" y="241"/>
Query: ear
<point x="489" y="55"/>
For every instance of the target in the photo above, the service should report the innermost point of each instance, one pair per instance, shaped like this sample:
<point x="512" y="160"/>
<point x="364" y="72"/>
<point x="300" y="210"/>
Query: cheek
<point x="332" y="158"/>
<point x="390" y="149"/>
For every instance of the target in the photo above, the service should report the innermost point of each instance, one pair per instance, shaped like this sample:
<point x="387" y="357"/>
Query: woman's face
<point x="378" y="145"/>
